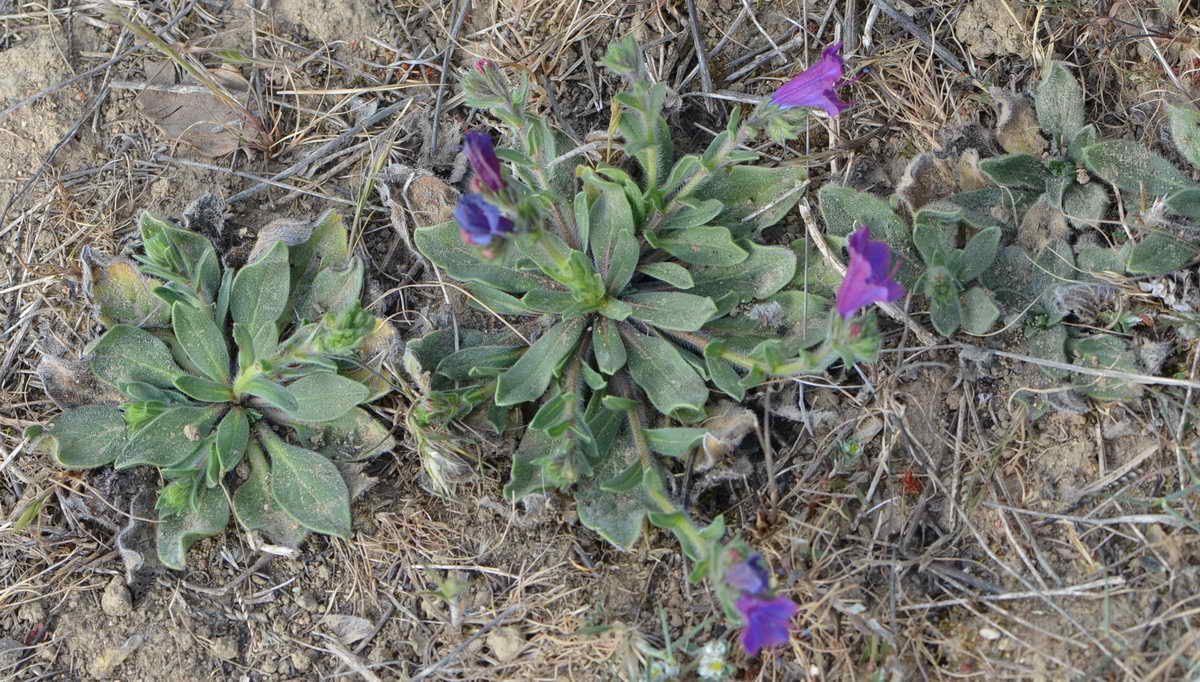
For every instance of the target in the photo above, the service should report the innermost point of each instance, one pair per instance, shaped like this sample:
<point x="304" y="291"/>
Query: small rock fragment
<point x="115" y="601"/>
<point x="506" y="643"/>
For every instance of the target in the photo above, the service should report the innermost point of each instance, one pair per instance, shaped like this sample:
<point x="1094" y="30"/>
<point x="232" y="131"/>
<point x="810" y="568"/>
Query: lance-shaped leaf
<point x="845" y="210"/>
<point x="613" y="244"/>
<point x="710" y="245"/>
<point x="260" y="295"/>
<point x="204" y="390"/>
<point x="256" y="508"/>
<point x="199" y="257"/>
<point x="84" y="437"/>
<point x="443" y="245"/>
<point x="764" y="271"/>
<point x="125" y="354"/>
<point x="607" y="346"/>
<point x="273" y="393"/>
<point x="333" y="289"/>
<point x="672" y="273"/>
<point x="324" y="396"/>
<point x="233" y="433"/>
<point x="1185" y="131"/>
<point x="979" y="254"/>
<point x="1016" y="170"/>
<point x="1159" y="253"/>
<point x="478" y="361"/>
<point x="1059" y="102"/>
<point x="675" y="310"/>
<point x="529" y="377"/>
<point x="169" y="438"/>
<point x="176" y="534"/>
<point x="355" y="435"/>
<point x="979" y="311"/>
<point x="674" y="441"/>
<point x="202" y="341"/>
<point x="669" y="381"/>
<point x="1134" y="168"/>
<point x="307" y="486"/>
<point x="617" y="517"/>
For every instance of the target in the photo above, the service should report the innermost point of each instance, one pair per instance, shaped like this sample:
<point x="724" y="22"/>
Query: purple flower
<point x="869" y="276"/>
<point x="482" y="156"/>
<point x="767" y="621"/>
<point x="479" y="221"/>
<point x="814" y="87"/>
<point x="749" y="576"/>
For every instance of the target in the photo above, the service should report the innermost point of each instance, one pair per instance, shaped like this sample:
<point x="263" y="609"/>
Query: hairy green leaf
<point x="979" y="311"/>
<point x="613" y="244"/>
<point x="1159" y="253"/>
<point x="1185" y="131"/>
<point x="307" y="486"/>
<point x="529" y="377"/>
<point x="169" y="438"/>
<point x="204" y="390"/>
<point x="177" y="533"/>
<point x="675" y="310"/>
<point x="260" y="294"/>
<point x="84" y="437"/>
<point x="672" y="273"/>
<point x="1134" y="168"/>
<point x="669" y="381"/>
<point x="124" y="354"/>
<point x="443" y="245"/>
<point x="203" y="342"/>
<point x="1059" y="102"/>
<point x="710" y="245"/>
<point x="324" y="396"/>
<point x="232" y="435"/>
<point x="607" y="346"/>
<point x="256" y="508"/>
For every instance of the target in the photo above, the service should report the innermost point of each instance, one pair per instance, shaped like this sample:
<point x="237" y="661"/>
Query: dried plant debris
<point x="204" y="121"/>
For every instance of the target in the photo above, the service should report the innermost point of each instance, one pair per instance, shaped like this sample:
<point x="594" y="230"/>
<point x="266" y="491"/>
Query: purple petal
<point x="868" y="277"/>
<point x="481" y="154"/>
<point x="767" y="621"/>
<point x="749" y="576"/>
<point x="480" y="221"/>
<point x="814" y="87"/>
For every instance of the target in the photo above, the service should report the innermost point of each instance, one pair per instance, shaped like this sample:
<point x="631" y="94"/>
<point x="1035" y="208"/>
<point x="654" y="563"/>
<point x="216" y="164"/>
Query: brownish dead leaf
<point x="207" y="124"/>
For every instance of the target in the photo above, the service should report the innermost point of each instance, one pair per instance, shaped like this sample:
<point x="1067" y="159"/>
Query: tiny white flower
<point x="660" y="671"/>
<point x="712" y="664"/>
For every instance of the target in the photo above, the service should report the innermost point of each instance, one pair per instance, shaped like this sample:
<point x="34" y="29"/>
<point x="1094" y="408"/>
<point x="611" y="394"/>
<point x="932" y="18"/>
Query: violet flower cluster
<point x="868" y="277"/>
<point x="768" y="619"/>
<point x="815" y="86"/>
<point x="479" y="219"/>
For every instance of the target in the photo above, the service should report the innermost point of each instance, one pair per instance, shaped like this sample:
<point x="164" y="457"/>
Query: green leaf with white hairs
<point x="84" y="437"/>
<point x="273" y="393"/>
<point x="530" y="376"/>
<point x="123" y="294"/>
<point x="669" y="381"/>
<point x="979" y="311"/>
<point x="260" y="295"/>
<point x="1134" y="168"/>
<point x="709" y="245"/>
<point x="1059" y="102"/>
<point x="1085" y="205"/>
<point x="942" y="289"/>
<point x="672" y="273"/>
<point x="170" y="438"/>
<point x="124" y="354"/>
<point x="477" y="361"/>
<point x="201" y="340"/>
<point x="692" y="213"/>
<point x="613" y="244"/>
<point x="607" y="346"/>
<point x="443" y="245"/>
<point x="1185" y="202"/>
<point x="256" y="508"/>
<point x="176" y="534"/>
<point x="1185" y="131"/>
<point x="324" y="396"/>
<point x="845" y="210"/>
<point x="673" y="309"/>
<point x="1159" y="253"/>
<point x="1016" y="170"/>
<point x="617" y="517"/>
<point x="233" y="433"/>
<point x="204" y="390"/>
<point x="675" y="442"/>
<point x="979" y="254"/>
<point x="764" y="271"/>
<point x="307" y="486"/>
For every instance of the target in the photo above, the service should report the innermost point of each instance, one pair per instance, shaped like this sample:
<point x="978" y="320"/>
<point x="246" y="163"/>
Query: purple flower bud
<point x="482" y="156"/>
<point x="480" y="221"/>
<point x="814" y="87"/>
<point x="767" y="621"/>
<point x="869" y="276"/>
<point x="749" y="576"/>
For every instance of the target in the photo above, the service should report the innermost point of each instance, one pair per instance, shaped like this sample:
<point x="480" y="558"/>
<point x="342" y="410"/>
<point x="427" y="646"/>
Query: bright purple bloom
<point x="482" y="156"/>
<point x="479" y="220"/>
<point x="749" y="576"/>
<point x="767" y="621"/>
<point x="814" y="87"/>
<point x="869" y="276"/>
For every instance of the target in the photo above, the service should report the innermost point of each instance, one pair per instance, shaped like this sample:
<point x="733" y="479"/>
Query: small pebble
<point x="989" y="634"/>
<point x="115" y="601"/>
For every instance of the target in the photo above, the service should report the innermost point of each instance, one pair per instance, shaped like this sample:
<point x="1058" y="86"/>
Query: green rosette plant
<point x="1029" y="230"/>
<point x="204" y="370"/>
<point x="644" y="291"/>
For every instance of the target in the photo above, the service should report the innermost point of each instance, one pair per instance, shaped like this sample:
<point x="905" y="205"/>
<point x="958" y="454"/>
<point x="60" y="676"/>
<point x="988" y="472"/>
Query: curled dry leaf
<point x="726" y="428"/>
<point x="207" y="123"/>
<point x="1017" y="128"/>
<point x="928" y="178"/>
